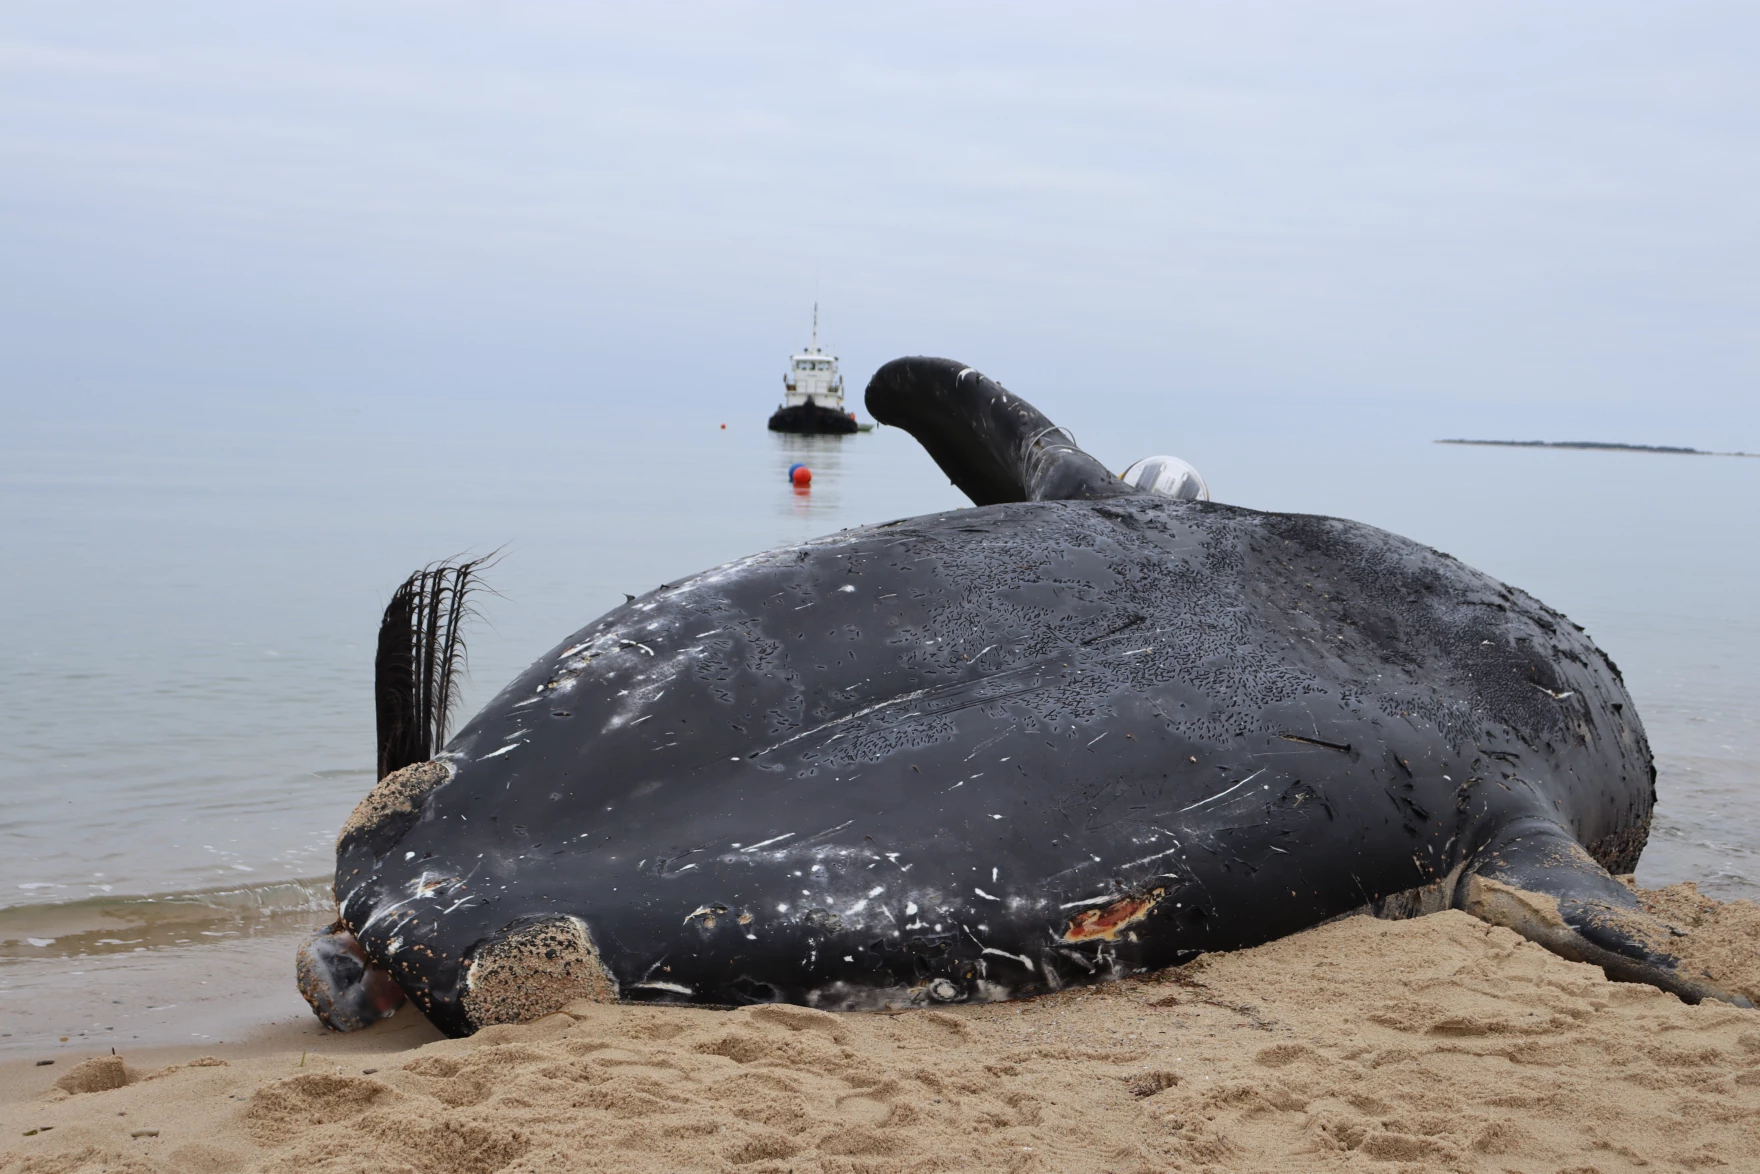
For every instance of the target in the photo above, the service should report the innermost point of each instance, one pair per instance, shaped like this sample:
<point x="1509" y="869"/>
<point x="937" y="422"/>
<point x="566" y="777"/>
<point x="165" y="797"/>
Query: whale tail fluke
<point x="420" y="660"/>
<point x="993" y="445"/>
<point x="1536" y="879"/>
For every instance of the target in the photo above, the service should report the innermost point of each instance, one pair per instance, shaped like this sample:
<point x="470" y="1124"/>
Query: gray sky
<point x="1504" y="219"/>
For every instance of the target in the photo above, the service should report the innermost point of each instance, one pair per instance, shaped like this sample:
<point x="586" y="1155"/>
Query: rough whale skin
<point x="994" y="752"/>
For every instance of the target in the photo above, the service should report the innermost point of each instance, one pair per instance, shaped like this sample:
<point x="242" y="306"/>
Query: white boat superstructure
<point x="812" y="375"/>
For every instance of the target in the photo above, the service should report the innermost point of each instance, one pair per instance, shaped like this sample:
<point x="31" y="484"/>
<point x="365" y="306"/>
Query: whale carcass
<point x="1076" y="732"/>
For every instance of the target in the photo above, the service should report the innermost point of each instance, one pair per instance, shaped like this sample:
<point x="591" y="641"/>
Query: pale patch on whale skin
<point x="535" y="971"/>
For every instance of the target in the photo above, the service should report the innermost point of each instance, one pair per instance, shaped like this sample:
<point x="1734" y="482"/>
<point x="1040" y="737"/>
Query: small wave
<point x="112" y="925"/>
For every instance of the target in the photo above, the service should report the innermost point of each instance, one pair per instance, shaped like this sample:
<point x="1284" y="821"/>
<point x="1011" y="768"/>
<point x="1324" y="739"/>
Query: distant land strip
<point x="1608" y="446"/>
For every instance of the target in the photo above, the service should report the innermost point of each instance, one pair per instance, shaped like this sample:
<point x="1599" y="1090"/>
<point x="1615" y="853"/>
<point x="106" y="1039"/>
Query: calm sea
<point x="192" y="590"/>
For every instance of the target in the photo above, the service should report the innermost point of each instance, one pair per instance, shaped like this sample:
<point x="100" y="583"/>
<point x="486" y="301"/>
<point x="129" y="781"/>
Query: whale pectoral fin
<point x="1537" y="880"/>
<point x="346" y="991"/>
<point x="993" y="445"/>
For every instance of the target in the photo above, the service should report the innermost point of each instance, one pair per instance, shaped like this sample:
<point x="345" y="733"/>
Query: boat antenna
<point x="815" y="327"/>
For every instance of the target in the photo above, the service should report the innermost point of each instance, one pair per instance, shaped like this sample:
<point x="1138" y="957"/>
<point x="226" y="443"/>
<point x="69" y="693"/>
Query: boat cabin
<point x="813" y="374"/>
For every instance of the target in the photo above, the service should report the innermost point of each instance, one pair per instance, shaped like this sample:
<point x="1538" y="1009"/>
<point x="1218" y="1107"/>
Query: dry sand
<point x="1435" y="1044"/>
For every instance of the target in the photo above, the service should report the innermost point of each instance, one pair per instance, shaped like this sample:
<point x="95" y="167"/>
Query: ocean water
<point x="194" y="585"/>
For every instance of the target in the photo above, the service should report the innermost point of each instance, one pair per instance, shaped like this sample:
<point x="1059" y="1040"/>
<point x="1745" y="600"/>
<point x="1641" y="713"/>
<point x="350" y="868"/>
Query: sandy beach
<point x="1435" y="1044"/>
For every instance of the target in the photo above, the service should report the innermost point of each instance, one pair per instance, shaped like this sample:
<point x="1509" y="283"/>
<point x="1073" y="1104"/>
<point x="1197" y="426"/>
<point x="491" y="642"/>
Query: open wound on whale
<point x="1107" y="922"/>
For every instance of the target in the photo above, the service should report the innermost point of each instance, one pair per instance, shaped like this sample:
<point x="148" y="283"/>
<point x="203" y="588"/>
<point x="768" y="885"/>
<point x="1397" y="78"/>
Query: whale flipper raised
<point x="994" y="445"/>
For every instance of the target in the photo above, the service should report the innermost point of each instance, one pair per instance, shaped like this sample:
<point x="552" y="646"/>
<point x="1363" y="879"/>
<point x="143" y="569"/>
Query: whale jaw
<point x="346" y="991"/>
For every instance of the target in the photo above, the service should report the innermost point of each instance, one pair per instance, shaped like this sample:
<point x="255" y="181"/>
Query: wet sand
<point x="1435" y="1044"/>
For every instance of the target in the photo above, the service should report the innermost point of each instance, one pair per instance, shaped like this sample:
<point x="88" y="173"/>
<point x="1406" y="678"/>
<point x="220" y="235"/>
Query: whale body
<point x="1073" y="734"/>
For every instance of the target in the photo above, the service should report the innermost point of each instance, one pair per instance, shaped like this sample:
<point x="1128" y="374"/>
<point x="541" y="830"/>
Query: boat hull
<point x="811" y="419"/>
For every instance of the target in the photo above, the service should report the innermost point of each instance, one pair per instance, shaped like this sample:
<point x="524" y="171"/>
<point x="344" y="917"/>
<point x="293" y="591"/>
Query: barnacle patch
<point x="535" y="971"/>
<point x="401" y="792"/>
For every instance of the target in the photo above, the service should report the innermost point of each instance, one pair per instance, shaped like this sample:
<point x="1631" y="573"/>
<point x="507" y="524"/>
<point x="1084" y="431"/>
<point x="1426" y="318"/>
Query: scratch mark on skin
<point x="1342" y="747"/>
<point x="425" y="886"/>
<point x="860" y="713"/>
<point x="985" y="743"/>
<point x="916" y="695"/>
<point x="498" y="753"/>
<point x="1147" y="859"/>
<point x="677" y="988"/>
<point x="767" y="843"/>
<point x="1220" y="794"/>
<point x="1103" y="899"/>
<point x="826" y="832"/>
<point x="984" y="895"/>
<point x="1021" y="958"/>
<point x="636" y="644"/>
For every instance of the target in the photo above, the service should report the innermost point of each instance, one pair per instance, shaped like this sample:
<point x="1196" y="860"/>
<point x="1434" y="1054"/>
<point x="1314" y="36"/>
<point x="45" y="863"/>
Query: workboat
<point x="812" y="392"/>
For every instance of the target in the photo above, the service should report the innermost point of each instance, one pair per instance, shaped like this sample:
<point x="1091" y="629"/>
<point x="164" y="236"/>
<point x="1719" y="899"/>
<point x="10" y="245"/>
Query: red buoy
<point x="724" y="428"/>
<point x="803" y="477"/>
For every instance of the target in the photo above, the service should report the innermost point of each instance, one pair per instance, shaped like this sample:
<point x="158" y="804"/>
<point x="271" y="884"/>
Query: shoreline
<point x="1601" y="446"/>
<point x="140" y="971"/>
<point x="130" y="923"/>
<point x="1441" y="1043"/>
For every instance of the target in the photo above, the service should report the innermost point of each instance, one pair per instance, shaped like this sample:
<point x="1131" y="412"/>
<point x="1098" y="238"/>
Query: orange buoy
<point x="802" y="477"/>
<point x="724" y="428"/>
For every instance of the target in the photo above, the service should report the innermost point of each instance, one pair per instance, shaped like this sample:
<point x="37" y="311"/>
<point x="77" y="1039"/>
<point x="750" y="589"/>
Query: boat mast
<point x="815" y="328"/>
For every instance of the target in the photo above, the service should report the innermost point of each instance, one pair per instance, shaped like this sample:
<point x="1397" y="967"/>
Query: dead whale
<point x="1074" y="733"/>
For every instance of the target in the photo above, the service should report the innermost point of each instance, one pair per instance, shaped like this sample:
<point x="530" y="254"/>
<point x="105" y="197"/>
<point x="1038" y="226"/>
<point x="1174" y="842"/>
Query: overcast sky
<point x="1514" y="219"/>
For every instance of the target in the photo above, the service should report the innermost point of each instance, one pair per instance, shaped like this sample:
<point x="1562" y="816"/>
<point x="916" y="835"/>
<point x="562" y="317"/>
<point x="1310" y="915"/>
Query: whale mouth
<point x="346" y="991"/>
